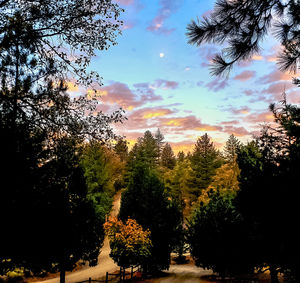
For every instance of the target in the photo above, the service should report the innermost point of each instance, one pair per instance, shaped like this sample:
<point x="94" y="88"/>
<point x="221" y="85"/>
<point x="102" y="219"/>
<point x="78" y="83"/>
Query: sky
<point x="163" y="82"/>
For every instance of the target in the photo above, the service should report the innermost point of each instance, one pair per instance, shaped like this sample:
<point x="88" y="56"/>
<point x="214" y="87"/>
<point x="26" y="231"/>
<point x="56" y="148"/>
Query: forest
<point x="234" y="209"/>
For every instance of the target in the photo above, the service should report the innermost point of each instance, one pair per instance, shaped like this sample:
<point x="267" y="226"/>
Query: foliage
<point x="177" y="182"/>
<point x="67" y="32"/>
<point x="168" y="159"/>
<point x="180" y="156"/>
<point x="41" y="127"/>
<point x="204" y="162"/>
<point x="217" y="238"/>
<point x="231" y="149"/>
<point x="146" y="151"/>
<point x="268" y="183"/>
<point x="243" y="25"/>
<point x="50" y="194"/>
<point x="146" y="201"/>
<point x="159" y="137"/>
<point x="121" y="149"/>
<point x="129" y="243"/>
<point x="225" y="182"/>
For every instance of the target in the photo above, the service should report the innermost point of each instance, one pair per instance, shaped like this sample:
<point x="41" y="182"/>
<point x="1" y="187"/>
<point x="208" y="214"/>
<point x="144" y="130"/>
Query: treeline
<point x="235" y="210"/>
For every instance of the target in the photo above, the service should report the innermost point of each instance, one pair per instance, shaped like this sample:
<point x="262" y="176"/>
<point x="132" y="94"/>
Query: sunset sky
<point x="163" y="82"/>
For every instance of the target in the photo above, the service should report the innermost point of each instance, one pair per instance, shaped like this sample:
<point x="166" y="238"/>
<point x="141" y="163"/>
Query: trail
<point x="184" y="273"/>
<point x="105" y="263"/>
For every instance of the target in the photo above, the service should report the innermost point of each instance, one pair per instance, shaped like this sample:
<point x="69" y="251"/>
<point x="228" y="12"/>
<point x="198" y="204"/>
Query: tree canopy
<point x="67" y="32"/>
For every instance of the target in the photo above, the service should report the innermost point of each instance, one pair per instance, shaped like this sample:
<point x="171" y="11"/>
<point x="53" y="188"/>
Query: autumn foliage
<point x="130" y="244"/>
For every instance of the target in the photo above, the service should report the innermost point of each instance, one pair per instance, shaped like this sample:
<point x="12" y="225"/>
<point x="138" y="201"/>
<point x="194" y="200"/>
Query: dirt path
<point x="105" y="263"/>
<point x="184" y="273"/>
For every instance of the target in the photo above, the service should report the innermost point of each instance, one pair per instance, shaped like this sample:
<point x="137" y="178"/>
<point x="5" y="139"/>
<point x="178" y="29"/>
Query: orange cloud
<point x="257" y="57"/>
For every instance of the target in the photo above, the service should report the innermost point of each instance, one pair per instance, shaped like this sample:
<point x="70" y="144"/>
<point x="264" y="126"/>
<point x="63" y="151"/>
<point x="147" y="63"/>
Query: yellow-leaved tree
<point x="130" y="244"/>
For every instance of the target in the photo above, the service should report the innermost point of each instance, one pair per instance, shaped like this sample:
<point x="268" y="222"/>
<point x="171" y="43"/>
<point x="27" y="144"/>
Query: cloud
<point x="276" y="90"/>
<point x="187" y="123"/>
<point x="125" y="2"/>
<point x="167" y="8"/>
<point x="120" y="94"/>
<point x="148" y="88"/>
<point x="164" y="84"/>
<point x="128" y="25"/>
<point x="217" y="84"/>
<point x="145" y="118"/>
<point x="207" y="52"/>
<point x="262" y="117"/>
<point x="185" y="146"/>
<point x="257" y="57"/>
<point x="232" y="122"/>
<point x="275" y="76"/>
<point x="245" y="75"/>
<point x="237" y="131"/>
<point x="239" y="111"/>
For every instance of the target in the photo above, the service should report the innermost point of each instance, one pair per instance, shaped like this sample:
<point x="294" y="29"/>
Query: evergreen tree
<point x="168" y="159"/>
<point x="204" y="162"/>
<point x="121" y="148"/>
<point x="231" y="148"/>
<point x="146" y="201"/>
<point x="268" y="192"/>
<point x="159" y="140"/>
<point x="180" y="156"/>
<point x="217" y="237"/>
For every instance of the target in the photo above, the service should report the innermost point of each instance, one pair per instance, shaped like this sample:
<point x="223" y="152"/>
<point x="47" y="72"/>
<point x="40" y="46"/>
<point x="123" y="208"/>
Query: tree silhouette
<point x="146" y="201"/>
<point x="67" y="32"/>
<point x="243" y="25"/>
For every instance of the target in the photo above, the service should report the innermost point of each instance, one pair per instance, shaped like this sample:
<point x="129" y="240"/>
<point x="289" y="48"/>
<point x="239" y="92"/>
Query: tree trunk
<point x="274" y="274"/>
<point x="62" y="275"/>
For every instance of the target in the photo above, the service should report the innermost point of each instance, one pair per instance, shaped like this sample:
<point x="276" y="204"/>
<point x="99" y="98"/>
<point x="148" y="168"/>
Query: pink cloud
<point x="230" y="123"/>
<point x="275" y="76"/>
<point x="207" y="52"/>
<point x="120" y="94"/>
<point x="167" y="8"/>
<point x="277" y="89"/>
<point x="217" y="84"/>
<point x="245" y="75"/>
<point x="166" y="84"/>
<point x="262" y="117"/>
<point x="240" y="111"/>
<point x="128" y="25"/>
<point x="237" y="131"/>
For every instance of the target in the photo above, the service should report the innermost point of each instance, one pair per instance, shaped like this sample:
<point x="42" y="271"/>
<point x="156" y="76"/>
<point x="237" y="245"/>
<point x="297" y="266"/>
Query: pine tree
<point x="204" y="162"/>
<point x="231" y="148"/>
<point x="180" y="156"/>
<point x="159" y="140"/>
<point x="146" y="201"/>
<point x="121" y="148"/>
<point x="244" y="25"/>
<point x="168" y="159"/>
